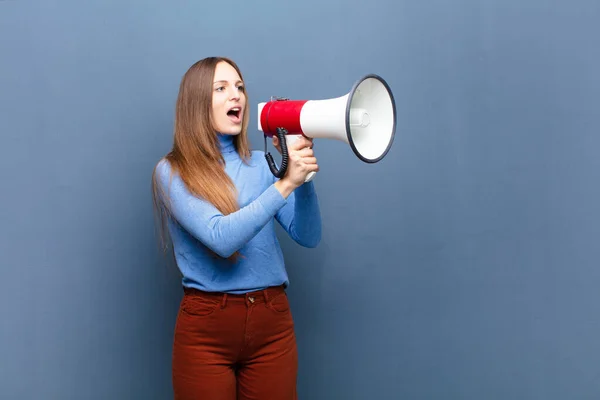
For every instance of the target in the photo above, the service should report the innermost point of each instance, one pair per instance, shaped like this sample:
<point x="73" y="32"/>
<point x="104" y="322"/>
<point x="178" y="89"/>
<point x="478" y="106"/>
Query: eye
<point x="241" y="88"/>
<point x="220" y="88"/>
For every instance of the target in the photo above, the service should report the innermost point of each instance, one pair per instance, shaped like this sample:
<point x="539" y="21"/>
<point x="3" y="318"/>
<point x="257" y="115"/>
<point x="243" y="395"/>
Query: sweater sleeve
<point x="301" y="216"/>
<point x="223" y="234"/>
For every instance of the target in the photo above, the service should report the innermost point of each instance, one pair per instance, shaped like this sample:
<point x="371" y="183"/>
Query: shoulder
<point x="259" y="161"/>
<point x="253" y="173"/>
<point x="164" y="172"/>
<point x="256" y="159"/>
<point x="163" y="165"/>
<point x="162" y="168"/>
<point x="257" y="155"/>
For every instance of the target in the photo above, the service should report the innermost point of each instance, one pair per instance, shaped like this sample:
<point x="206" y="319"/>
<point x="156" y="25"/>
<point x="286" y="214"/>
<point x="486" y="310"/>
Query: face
<point x="228" y="100"/>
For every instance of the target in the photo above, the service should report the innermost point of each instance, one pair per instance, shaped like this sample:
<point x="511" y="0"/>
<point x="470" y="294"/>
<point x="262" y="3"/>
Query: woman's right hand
<point x="301" y="162"/>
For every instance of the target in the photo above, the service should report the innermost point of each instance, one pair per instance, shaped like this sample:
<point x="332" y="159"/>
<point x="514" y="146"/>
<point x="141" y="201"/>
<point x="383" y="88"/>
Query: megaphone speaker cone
<point x="370" y="118"/>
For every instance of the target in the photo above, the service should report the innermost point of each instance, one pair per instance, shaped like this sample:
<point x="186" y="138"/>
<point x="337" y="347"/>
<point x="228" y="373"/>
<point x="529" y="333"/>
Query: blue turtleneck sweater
<point x="198" y="226"/>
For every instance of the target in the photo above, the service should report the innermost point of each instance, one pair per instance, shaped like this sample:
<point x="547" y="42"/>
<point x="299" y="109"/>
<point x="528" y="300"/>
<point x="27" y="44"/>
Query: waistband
<point x="254" y="296"/>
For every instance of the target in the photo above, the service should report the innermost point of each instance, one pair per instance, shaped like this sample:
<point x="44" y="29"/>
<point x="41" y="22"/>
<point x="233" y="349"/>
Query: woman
<point x="234" y="335"/>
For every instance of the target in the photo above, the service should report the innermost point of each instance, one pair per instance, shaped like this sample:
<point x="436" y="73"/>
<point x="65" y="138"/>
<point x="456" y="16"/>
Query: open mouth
<point x="235" y="114"/>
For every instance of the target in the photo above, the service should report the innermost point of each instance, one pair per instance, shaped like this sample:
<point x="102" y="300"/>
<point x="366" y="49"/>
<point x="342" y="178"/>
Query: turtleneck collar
<point x="226" y="143"/>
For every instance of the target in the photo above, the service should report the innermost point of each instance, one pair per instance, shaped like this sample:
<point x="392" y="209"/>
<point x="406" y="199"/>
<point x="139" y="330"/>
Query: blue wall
<point x="463" y="266"/>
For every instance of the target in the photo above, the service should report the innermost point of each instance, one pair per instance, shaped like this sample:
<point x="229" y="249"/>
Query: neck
<point x="226" y="143"/>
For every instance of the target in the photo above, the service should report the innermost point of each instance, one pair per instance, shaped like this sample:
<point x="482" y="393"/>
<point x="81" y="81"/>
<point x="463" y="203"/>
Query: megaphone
<point x="364" y="118"/>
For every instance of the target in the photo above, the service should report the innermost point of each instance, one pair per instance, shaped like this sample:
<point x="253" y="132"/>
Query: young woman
<point x="218" y="202"/>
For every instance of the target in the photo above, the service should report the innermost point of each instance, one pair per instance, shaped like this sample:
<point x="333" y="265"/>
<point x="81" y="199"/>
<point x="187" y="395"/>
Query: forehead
<point x="225" y="72"/>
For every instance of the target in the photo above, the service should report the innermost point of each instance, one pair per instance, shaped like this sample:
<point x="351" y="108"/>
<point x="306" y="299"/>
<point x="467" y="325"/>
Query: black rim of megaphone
<point x="348" y="131"/>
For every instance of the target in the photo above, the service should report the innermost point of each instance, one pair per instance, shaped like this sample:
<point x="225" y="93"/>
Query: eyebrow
<point x="223" y="81"/>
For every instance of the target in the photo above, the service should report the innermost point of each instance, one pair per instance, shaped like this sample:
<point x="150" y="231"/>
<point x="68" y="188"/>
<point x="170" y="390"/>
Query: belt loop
<point x="266" y="294"/>
<point x="224" y="302"/>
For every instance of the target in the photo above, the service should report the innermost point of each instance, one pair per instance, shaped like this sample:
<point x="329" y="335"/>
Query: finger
<point x="312" y="168"/>
<point x="301" y="143"/>
<point x="275" y="141"/>
<point x="309" y="160"/>
<point x="308" y="142"/>
<point x="306" y="152"/>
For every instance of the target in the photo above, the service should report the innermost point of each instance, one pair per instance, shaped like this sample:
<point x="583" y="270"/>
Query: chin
<point x="229" y="130"/>
<point x="233" y="130"/>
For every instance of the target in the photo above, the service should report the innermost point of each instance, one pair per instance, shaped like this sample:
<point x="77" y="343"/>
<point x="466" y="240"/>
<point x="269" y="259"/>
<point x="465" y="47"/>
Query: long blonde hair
<point x="196" y="155"/>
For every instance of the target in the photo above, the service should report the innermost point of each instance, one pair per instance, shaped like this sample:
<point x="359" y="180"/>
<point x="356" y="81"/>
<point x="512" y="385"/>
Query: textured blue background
<point x="463" y="266"/>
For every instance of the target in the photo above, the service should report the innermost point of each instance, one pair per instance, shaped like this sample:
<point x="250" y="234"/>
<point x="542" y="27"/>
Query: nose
<point x="234" y="94"/>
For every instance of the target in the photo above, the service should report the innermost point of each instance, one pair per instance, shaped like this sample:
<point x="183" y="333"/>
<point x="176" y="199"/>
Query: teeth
<point x="235" y="109"/>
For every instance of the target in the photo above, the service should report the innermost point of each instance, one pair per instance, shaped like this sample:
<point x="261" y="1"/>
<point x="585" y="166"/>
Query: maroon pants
<point x="235" y="347"/>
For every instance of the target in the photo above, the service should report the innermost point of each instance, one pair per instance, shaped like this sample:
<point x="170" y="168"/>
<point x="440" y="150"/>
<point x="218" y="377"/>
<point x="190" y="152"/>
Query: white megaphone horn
<point x="365" y="118"/>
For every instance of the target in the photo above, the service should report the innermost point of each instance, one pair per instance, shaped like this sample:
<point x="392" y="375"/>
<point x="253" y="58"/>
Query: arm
<point x="301" y="216"/>
<point x="223" y="234"/>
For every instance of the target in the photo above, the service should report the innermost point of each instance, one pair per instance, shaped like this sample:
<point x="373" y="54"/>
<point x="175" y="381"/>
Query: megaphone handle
<point x="291" y="139"/>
